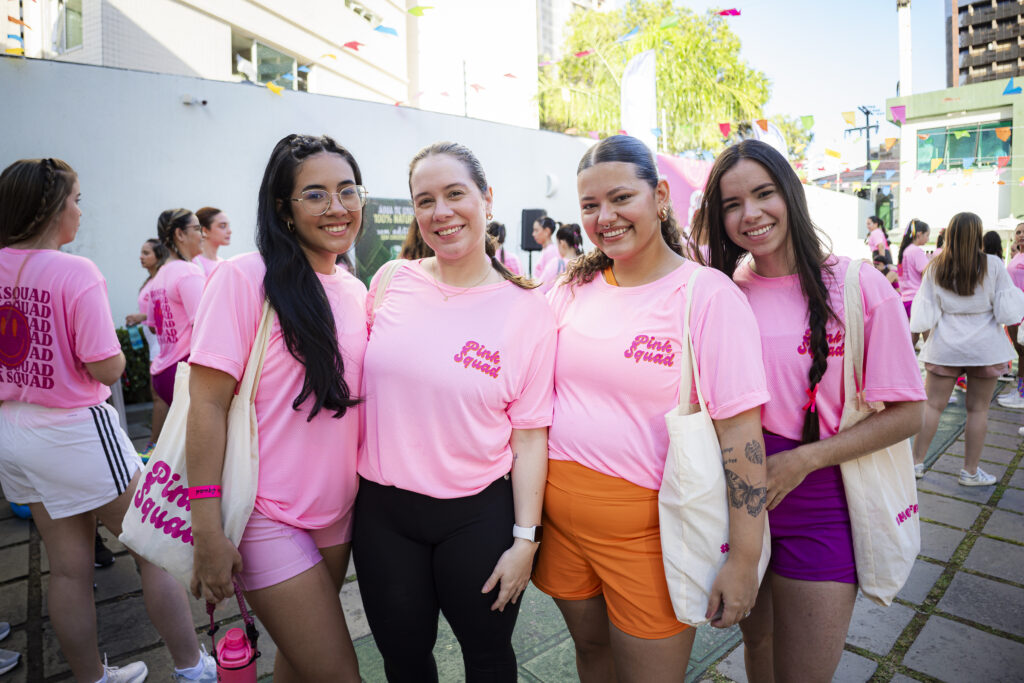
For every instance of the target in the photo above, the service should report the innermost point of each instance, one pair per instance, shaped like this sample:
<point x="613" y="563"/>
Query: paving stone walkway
<point x="960" y="618"/>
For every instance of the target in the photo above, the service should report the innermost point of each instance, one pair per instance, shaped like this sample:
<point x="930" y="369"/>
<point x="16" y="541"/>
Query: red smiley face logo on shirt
<point x="15" y="339"/>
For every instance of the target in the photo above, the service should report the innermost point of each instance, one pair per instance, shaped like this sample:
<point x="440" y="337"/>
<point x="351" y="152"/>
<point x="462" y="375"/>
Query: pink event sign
<point x="686" y="178"/>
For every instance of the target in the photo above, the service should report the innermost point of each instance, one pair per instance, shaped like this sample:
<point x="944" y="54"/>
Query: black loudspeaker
<point x="529" y="217"/>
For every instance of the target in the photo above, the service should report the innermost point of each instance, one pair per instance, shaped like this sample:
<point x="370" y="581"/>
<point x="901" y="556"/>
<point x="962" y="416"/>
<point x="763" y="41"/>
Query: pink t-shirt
<point x="307" y="469"/>
<point x="206" y="264"/>
<point x="617" y="367"/>
<point x="56" y="320"/>
<point x="890" y="368"/>
<point x="549" y="252"/>
<point x="1016" y="270"/>
<point x="549" y="276"/>
<point x="911" y="268"/>
<point x="510" y="261"/>
<point x="446" y="382"/>
<point x="876" y="239"/>
<point x="173" y="300"/>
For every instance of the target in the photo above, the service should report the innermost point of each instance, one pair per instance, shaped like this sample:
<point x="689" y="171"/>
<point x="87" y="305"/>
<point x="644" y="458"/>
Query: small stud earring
<point x="663" y="213"/>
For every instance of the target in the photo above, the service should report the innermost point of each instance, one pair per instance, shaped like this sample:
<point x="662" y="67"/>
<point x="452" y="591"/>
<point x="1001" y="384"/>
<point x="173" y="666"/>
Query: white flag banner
<point x="639" y="99"/>
<point x="773" y="136"/>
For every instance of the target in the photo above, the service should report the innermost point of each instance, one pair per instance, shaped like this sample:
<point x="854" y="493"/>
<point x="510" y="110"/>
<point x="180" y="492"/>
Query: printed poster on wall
<point x="385" y="224"/>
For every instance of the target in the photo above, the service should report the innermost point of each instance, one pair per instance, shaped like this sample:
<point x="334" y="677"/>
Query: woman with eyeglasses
<point x="174" y="296"/>
<point x="293" y="555"/>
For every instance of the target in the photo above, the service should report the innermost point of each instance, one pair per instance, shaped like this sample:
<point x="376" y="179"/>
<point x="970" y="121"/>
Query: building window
<point x="964" y="147"/>
<point x="262" y="64"/>
<point x="69" y="25"/>
<point x="362" y="11"/>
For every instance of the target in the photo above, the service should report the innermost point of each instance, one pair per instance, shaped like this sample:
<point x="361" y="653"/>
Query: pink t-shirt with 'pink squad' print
<point x="890" y="367"/>
<point x="55" y="321"/>
<point x="911" y="268"/>
<point x="307" y="472"/>
<point x="617" y="367"/>
<point x="173" y="301"/>
<point x="446" y="382"/>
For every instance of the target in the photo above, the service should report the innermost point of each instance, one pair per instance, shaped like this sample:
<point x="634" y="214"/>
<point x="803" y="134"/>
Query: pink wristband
<point x="195" y="492"/>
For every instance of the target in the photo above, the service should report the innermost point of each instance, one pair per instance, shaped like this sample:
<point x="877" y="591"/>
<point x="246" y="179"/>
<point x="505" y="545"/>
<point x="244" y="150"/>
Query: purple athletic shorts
<point x="163" y="382"/>
<point x="811" y="536"/>
<point x="906" y="305"/>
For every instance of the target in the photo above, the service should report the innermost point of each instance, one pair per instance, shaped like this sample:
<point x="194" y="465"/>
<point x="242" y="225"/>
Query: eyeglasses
<point x="318" y="202"/>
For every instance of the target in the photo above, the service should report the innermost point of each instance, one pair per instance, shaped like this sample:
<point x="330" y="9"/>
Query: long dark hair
<point x="915" y="228"/>
<point x="463" y="155"/>
<point x="809" y="250"/>
<point x="292" y="286"/>
<point x="992" y="243"/>
<point x="32" y="193"/>
<point x="961" y="265"/>
<point x="631" y="151"/>
<point x="496" y="230"/>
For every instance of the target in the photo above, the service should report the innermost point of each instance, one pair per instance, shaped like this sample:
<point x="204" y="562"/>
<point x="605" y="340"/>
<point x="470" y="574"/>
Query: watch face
<point x="538" y="531"/>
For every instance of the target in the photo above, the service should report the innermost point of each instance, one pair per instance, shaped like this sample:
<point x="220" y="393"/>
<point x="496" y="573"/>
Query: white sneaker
<point x="979" y="478"/>
<point x="209" y="673"/>
<point x="135" y="672"/>
<point x="1015" y="401"/>
<point x="919" y="470"/>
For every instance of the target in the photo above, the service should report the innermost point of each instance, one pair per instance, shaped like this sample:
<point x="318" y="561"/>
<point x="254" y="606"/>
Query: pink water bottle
<point x="236" y="658"/>
<point x="236" y="653"/>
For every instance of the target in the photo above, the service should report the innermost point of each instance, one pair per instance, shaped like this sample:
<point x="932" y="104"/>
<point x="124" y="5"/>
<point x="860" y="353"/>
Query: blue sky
<point x="825" y="57"/>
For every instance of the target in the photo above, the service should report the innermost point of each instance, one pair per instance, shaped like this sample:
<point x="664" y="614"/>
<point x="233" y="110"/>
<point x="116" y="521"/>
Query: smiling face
<point x="322" y="238"/>
<point x="219" y="232"/>
<point x="450" y="209"/>
<point x="620" y="210"/>
<point x="755" y="216"/>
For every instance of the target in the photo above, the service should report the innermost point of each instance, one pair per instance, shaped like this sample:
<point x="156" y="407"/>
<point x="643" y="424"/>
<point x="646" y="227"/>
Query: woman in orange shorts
<point x="620" y="312"/>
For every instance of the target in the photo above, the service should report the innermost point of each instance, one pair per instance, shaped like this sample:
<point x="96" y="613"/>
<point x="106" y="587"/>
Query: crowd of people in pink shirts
<point x="460" y="429"/>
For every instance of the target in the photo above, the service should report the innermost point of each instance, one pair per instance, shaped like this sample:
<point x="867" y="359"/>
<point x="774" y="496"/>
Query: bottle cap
<point x="233" y="649"/>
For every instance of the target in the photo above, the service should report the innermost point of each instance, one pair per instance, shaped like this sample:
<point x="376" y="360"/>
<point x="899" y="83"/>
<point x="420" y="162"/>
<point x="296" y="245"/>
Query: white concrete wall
<point x="842" y="217"/>
<point x="138" y="150"/>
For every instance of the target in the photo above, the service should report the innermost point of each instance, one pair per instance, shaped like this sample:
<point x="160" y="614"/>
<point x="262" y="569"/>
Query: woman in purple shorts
<point x="912" y="264"/>
<point x="754" y="204"/>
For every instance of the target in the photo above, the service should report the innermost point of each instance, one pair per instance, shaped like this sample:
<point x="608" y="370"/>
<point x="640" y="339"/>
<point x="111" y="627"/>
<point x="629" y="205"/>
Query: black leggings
<point x="416" y="555"/>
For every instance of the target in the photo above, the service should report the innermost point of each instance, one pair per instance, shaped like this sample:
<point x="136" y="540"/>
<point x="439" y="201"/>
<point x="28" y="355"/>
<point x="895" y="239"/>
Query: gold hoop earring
<point x="663" y="213"/>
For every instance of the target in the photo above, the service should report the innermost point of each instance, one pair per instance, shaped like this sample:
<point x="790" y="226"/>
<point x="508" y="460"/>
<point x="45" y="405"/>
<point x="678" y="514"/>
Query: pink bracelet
<point x="195" y="492"/>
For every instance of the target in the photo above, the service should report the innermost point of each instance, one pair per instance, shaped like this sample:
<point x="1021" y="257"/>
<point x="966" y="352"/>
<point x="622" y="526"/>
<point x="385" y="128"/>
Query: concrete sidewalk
<point x="959" y="618"/>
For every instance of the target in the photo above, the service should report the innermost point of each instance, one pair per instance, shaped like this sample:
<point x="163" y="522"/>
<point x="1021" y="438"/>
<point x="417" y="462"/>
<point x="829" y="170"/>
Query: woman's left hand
<point x="785" y="472"/>
<point x="512" y="572"/>
<point x="734" y="592"/>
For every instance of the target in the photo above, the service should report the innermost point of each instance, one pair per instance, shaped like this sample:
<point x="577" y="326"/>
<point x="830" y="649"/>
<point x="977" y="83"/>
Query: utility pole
<point x="867" y="128"/>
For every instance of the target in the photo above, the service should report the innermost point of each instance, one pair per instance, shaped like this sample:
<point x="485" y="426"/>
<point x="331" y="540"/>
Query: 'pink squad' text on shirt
<point x="911" y="268"/>
<point x="55" y="321"/>
<point x="617" y="367"/>
<point x="307" y="469"/>
<point x="173" y="301"/>
<point x="890" y="367"/>
<point x="446" y="382"/>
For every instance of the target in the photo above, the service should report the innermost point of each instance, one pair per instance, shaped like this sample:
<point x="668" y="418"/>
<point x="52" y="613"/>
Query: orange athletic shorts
<point x="601" y="537"/>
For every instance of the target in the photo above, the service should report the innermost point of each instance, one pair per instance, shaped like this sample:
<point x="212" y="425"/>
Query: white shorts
<point x="72" y="460"/>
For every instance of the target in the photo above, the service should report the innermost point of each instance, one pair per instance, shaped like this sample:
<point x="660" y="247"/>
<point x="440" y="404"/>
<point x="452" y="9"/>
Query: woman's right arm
<point x="216" y="559"/>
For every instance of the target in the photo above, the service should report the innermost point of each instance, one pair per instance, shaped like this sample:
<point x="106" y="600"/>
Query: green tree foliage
<point x="701" y="79"/>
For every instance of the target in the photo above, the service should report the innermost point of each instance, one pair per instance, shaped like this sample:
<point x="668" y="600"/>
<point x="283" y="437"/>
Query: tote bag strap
<point x="254" y="366"/>
<point x="688" y="372"/>
<point x="387" y="271"/>
<point x="853" y="344"/>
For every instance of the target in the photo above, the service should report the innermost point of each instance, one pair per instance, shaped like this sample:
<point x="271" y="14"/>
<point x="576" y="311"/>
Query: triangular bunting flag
<point x="1002" y="161"/>
<point x="874" y="164"/>
<point x="899" y="113"/>
<point x="763" y="123"/>
<point x="889" y="142"/>
<point x="806" y="121"/>
<point x="418" y="10"/>
<point x="725" y="128"/>
<point x="890" y="173"/>
<point x="935" y="163"/>
<point x="276" y="89"/>
<point x="967" y="162"/>
<point x="1011" y="90"/>
<point x="386" y="29"/>
<point x="1003" y="133"/>
<point x="848" y="116"/>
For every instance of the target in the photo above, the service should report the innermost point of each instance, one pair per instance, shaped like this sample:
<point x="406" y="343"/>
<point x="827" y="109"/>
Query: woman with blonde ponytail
<point x="754" y="205"/>
<point x="174" y="296"/>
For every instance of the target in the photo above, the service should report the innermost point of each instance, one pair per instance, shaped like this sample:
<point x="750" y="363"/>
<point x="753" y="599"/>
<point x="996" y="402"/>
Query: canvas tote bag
<point x="158" y="524"/>
<point x="881" y="491"/>
<point x="693" y="507"/>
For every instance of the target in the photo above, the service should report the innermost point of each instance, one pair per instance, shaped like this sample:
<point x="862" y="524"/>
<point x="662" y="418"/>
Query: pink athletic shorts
<point x="273" y="552"/>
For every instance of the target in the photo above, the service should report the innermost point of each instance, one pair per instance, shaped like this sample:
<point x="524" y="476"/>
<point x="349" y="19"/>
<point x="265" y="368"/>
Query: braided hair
<point x="628" y="150"/>
<point x="168" y="224"/>
<point x="809" y="251"/>
<point x="32" y="194"/>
